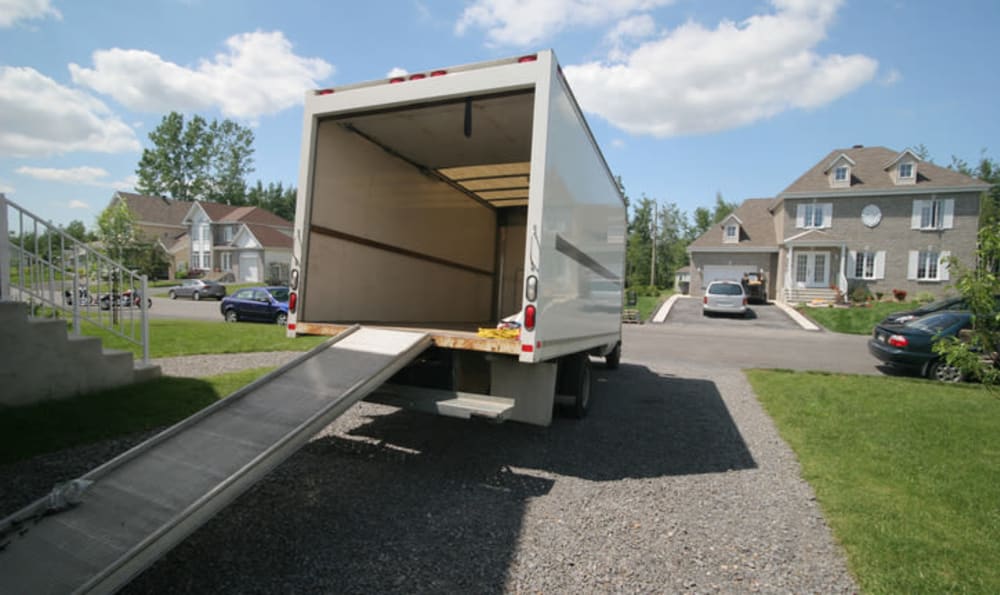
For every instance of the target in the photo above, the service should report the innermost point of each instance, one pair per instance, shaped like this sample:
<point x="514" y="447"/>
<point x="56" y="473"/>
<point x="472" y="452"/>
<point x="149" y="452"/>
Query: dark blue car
<point x="265" y="304"/>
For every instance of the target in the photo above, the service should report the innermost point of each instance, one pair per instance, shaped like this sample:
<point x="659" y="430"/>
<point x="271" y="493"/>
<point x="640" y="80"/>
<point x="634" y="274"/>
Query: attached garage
<point x="249" y="268"/>
<point x="714" y="272"/>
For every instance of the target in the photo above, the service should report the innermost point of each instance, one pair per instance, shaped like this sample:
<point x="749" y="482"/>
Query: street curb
<point x="798" y="318"/>
<point x="664" y="311"/>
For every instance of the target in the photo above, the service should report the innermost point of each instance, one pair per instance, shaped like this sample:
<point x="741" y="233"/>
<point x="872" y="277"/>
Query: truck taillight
<point x="529" y="317"/>
<point x="293" y="299"/>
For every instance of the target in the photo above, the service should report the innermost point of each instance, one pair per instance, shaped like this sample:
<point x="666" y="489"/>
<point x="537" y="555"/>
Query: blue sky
<point x="686" y="97"/>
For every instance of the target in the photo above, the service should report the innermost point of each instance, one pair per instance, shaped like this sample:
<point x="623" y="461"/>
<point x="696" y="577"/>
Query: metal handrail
<point x="61" y="277"/>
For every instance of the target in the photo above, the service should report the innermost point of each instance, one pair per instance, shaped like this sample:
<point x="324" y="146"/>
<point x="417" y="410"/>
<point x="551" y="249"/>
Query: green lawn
<point x="907" y="473"/>
<point x="171" y="338"/>
<point x="55" y="425"/>
<point x="647" y="304"/>
<point x="856" y="321"/>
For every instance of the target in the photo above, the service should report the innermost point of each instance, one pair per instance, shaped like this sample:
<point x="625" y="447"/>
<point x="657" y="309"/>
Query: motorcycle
<point x="126" y="299"/>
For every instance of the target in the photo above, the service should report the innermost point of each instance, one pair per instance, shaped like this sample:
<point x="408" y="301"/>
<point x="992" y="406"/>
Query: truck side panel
<point x="390" y="244"/>
<point x="580" y="237"/>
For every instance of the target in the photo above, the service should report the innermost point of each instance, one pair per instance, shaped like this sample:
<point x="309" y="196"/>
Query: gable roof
<point x="756" y="229"/>
<point x="868" y="176"/>
<point x="220" y="213"/>
<point x="156" y="210"/>
<point x="267" y="236"/>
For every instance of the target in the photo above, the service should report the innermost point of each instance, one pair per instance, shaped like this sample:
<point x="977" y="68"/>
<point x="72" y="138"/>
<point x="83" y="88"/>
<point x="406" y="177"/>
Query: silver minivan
<point x="725" y="297"/>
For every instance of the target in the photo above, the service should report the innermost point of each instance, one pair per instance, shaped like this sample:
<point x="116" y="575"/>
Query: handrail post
<point x="4" y="251"/>
<point x="144" y="309"/>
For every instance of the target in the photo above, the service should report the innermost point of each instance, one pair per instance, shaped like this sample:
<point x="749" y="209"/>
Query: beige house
<point x="252" y="244"/>
<point x="865" y="216"/>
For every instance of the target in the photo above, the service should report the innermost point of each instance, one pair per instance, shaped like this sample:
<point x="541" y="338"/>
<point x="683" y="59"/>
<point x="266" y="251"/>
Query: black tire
<point x="573" y="379"/>
<point x="173" y="295"/>
<point x="196" y="296"/>
<point x="941" y="371"/>
<point x="281" y="318"/>
<point x="613" y="358"/>
<point x="232" y="316"/>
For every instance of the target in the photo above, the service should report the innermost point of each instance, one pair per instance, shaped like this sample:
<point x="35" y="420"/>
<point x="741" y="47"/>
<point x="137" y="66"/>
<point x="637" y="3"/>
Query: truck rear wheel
<point x="573" y="381"/>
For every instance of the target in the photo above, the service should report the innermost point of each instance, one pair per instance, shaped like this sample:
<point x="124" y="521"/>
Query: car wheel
<point x="173" y="295"/>
<point x="281" y="319"/>
<point x="196" y="296"/>
<point x="232" y="316"/>
<point x="944" y="372"/>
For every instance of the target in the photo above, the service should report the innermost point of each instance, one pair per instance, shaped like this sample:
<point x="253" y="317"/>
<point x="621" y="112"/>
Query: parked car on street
<point x="725" y="297"/>
<point x="910" y="345"/>
<point x="951" y="303"/>
<point x="265" y="304"/>
<point x="197" y="289"/>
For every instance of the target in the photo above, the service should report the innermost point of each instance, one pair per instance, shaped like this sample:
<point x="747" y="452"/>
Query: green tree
<point x="702" y="221"/>
<point x="197" y="160"/>
<point x="639" y="255"/>
<point x="77" y="230"/>
<point x="987" y="170"/>
<point x="722" y="208"/>
<point x="275" y="198"/>
<point x="976" y="354"/>
<point x="116" y="230"/>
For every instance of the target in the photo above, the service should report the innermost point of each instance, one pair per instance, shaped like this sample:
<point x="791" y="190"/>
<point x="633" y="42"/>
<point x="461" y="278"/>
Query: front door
<point x="812" y="269"/>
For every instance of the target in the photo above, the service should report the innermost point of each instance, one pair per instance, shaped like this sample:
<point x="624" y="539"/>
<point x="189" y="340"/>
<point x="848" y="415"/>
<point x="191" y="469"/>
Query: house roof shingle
<point x="868" y="174"/>
<point x="270" y="237"/>
<point x="155" y="210"/>
<point x="756" y="228"/>
<point x="219" y="212"/>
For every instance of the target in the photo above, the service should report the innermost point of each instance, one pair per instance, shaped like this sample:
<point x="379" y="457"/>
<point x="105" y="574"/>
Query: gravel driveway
<point x="677" y="482"/>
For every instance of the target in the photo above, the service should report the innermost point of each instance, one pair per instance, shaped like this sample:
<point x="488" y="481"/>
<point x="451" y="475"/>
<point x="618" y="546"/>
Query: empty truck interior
<point x="418" y="216"/>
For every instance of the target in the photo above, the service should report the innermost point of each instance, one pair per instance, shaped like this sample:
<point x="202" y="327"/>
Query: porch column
<point x="787" y="289"/>
<point x="4" y="252"/>
<point x="842" y="278"/>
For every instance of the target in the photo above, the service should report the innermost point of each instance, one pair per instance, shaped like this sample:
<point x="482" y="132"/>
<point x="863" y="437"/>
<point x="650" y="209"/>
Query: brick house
<point x="253" y="244"/>
<point x="865" y="216"/>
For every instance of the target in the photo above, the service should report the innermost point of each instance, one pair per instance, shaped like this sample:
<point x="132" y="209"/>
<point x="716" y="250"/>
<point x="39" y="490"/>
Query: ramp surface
<point x="147" y="500"/>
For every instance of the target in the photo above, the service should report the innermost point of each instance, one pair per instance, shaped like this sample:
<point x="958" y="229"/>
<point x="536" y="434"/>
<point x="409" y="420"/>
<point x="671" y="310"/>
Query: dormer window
<point x="731" y="234"/>
<point x="840" y="174"/>
<point x="905" y="170"/>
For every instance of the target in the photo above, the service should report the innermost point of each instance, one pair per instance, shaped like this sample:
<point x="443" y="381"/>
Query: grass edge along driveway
<point x="906" y="472"/>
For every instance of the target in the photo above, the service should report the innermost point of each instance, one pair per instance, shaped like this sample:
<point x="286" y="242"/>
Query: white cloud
<point x="524" y="22"/>
<point x="78" y="204"/>
<point x="257" y="75"/>
<point x="397" y="71"/>
<point x="84" y="175"/>
<point x="618" y="143"/>
<point x="38" y="116"/>
<point x="891" y="78"/>
<point x="12" y="11"/>
<point x="696" y="80"/>
<point x="631" y="29"/>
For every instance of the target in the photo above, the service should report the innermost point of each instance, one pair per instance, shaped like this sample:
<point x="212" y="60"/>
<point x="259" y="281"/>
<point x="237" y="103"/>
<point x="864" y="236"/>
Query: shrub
<point x="860" y="294"/>
<point x="899" y="294"/>
<point x="878" y="295"/>
<point x="924" y="297"/>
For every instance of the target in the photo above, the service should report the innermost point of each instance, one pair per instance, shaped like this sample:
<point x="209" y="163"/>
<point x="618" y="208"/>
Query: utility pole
<point x="652" y="235"/>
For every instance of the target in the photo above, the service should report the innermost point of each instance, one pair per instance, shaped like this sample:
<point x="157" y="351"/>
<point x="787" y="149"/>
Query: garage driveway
<point x="687" y="310"/>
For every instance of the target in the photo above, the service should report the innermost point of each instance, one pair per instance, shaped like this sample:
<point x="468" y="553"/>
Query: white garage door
<point x="249" y="269"/>
<point x="729" y="272"/>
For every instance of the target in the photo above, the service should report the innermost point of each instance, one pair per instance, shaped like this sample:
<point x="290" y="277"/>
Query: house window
<point x="927" y="265"/>
<point x="732" y="233"/>
<point x="905" y="170"/>
<point x="228" y="233"/>
<point x="227" y="261"/>
<point x="933" y="214"/>
<point x="840" y="174"/>
<point x="864" y="266"/>
<point x="814" y="215"/>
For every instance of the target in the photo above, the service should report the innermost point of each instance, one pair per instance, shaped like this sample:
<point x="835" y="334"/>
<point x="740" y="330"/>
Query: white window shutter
<point x="800" y="216"/>
<point x="911" y="269"/>
<point x="918" y="206"/>
<point x="943" y="265"/>
<point x="948" y="219"/>
<point x="880" y="264"/>
<point x="852" y="263"/>
<point x="827" y="214"/>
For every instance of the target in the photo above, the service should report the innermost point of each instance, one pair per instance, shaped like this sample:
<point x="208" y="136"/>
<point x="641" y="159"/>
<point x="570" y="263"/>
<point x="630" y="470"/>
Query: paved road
<point x="182" y="308"/>
<point x="688" y="311"/>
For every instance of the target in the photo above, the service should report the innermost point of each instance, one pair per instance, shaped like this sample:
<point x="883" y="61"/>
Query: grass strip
<point x="855" y="320"/>
<point x="50" y="426"/>
<point x="906" y="471"/>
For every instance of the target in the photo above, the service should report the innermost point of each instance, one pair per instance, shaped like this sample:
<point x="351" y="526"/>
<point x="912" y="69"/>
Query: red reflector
<point x="397" y="79"/>
<point x="898" y="341"/>
<point x="439" y="73"/>
<point x="527" y="348"/>
<point x="745" y="302"/>
<point x="291" y="326"/>
<point x="417" y="77"/>
<point x="324" y="92"/>
<point x="529" y="318"/>
<point x="293" y="299"/>
<point x="524" y="59"/>
<point x="704" y="300"/>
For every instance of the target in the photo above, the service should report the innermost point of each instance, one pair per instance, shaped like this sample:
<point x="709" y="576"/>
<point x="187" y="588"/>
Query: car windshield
<point x="725" y="289"/>
<point x="935" y="323"/>
<point x="279" y="293"/>
<point x="937" y="305"/>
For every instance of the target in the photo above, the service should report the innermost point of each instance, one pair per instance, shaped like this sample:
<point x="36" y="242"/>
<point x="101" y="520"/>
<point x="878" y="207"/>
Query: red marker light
<point x="524" y="59"/>
<point x="417" y="77"/>
<point x="439" y="73"/>
<point x="397" y="79"/>
<point x="325" y="92"/>
<point x="529" y="317"/>
<point x="293" y="299"/>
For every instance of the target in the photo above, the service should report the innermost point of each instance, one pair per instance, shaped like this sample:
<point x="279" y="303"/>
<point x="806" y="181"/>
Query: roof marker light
<point x="417" y="77"/>
<point x="439" y="73"/>
<point x="325" y="92"/>
<point x="530" y="58"/>
<point x="397" y="79"/>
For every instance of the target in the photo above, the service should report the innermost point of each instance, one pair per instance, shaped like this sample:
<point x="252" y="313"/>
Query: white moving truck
<point x="451" y="199"/>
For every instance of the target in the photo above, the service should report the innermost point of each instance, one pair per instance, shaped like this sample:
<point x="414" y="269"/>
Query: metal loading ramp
<point x="150" y="498"/>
